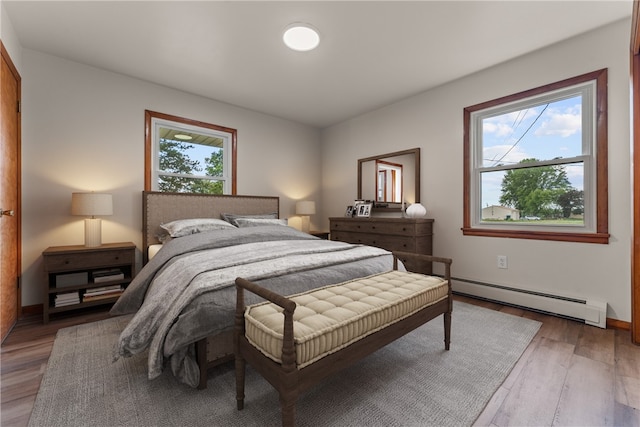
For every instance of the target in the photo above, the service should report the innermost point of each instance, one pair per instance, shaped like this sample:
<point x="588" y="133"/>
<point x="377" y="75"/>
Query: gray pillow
<point x="259" y="222"/>
<point x="231" y="218"/>
<point x="184" y="227"/>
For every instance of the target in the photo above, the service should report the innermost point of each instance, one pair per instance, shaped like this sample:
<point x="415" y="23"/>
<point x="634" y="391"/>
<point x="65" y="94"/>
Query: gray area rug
<point x="411" y="382"/>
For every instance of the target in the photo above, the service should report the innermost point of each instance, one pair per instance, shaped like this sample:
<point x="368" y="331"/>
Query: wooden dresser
<point x="394" y="234"/>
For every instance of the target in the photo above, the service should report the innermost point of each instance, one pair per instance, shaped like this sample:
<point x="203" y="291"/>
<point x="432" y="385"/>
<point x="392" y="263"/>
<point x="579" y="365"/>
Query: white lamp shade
<point x="305" y="207"/>
<point x="91" y="204"/>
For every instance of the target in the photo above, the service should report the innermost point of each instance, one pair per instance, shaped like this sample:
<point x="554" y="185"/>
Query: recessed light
<point x="183" y="137"/>
<point x="301" y="37"/>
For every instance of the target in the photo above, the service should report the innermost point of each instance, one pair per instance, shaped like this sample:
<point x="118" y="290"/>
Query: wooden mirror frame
<point x="414" y="151"/>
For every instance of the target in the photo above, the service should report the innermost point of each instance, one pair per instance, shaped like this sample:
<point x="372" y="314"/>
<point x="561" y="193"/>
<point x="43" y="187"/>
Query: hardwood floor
<point x="570" y="374"/>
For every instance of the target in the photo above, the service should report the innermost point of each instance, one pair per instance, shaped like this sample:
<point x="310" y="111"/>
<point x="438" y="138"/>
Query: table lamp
<point x="92" y="204"/>
<point x="305" y="208"/>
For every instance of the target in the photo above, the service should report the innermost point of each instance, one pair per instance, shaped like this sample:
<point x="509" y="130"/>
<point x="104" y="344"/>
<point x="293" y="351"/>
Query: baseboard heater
<point x="591" y="312"/>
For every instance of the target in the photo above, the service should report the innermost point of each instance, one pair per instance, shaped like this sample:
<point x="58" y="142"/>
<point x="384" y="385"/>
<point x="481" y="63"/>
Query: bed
<point x="183" y="300"/>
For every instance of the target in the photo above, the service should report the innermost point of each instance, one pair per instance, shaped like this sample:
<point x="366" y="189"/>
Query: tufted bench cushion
<point x="330" y="318"/>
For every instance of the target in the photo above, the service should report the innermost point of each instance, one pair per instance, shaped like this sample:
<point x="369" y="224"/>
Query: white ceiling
<point x="372" y="53"/>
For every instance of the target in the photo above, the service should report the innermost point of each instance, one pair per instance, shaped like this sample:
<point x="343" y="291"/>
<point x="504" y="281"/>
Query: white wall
<point x="9" y="38"/>
<point x="433" y="121"/>
<point x="83" y="130"/>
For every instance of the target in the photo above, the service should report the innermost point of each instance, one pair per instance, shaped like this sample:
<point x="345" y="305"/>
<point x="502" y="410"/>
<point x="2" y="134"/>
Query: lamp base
<point x="92" y="232"/>
<point x="304" y="226"/>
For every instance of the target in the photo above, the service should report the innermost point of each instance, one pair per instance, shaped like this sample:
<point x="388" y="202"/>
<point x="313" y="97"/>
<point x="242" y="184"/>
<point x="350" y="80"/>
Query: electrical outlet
<point x="502" y="261"/>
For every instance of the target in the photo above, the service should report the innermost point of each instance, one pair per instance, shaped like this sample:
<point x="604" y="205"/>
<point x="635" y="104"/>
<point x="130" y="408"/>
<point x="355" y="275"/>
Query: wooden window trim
<point x="635" y="256"/>
<point x="601" y="235"/>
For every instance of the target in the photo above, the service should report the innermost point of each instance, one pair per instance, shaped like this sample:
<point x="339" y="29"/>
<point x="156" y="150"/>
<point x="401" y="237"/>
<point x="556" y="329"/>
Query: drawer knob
<point x="66" y="261"/>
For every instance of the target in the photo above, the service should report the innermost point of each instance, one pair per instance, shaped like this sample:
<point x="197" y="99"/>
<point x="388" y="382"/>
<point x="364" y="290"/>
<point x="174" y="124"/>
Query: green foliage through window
<point x="178" y="170"/>
<point x="543" y="191"/>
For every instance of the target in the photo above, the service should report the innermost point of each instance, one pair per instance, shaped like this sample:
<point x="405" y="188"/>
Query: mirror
<point x="390" y="179"/>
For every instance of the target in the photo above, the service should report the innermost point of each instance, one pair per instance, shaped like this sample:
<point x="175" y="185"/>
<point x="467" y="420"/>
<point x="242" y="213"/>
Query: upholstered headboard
<point x="160" y="207"/>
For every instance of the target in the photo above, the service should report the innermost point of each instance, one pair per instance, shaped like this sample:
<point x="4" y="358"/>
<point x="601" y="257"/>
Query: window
<point x="389" y="183"/>
<point x="535" y="163"/>
<point x="188" y="156"/>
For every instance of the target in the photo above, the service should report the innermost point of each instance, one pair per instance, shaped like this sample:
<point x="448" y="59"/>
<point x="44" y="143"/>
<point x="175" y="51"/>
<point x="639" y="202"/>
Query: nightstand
<point x="321" y="234"/>
<point x="78" y="276"/>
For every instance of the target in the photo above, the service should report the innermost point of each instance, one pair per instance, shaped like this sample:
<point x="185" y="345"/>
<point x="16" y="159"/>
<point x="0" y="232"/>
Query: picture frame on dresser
<point x="349" y="212"/>
<point x="363" y="210"/>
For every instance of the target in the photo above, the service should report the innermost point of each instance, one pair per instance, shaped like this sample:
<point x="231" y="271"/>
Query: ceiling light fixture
<point x="183" y="137"/>
<point x="301" y="37"/>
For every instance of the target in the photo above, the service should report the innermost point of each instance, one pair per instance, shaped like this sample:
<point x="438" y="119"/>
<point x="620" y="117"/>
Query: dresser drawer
<point x="78" y="261"/>
<point x="392" y="234"/>
<point x="385" y="241"/>
<point x="399" y="228"/>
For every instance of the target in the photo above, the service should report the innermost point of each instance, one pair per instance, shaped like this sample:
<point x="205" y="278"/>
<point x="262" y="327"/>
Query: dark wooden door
<point x="9" y="194"/>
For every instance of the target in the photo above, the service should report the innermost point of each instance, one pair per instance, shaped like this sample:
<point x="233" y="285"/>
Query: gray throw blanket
<point x="193" y="278"/>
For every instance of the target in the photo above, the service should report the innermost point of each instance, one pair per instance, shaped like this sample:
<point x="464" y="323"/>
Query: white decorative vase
<point x="416" y="210"/>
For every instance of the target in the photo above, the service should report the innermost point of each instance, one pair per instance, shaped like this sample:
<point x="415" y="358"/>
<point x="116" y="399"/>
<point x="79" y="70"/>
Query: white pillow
<point x="184" y="227"/>
<point x="258" y="222"/>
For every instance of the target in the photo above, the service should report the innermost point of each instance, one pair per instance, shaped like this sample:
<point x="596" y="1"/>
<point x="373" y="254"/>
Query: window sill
<point x="601" y="238"/>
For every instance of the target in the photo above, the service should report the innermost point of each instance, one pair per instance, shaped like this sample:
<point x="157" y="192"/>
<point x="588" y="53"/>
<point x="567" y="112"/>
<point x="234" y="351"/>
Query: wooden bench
<point x="333" y="327"/>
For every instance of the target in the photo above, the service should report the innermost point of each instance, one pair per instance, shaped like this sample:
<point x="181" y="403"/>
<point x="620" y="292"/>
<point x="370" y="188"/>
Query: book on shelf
<point x="87" y="298"/>
<point x="100" y="276"/>
<point x="67" y="295"/>
<point x="103" y="290"/>
<point x="63" y="304"/>
<point x="102" y="279"/>
<point x="68" y="298"/>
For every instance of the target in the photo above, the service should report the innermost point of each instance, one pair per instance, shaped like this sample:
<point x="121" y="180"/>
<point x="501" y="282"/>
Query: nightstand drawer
<point x="77" y="261"/>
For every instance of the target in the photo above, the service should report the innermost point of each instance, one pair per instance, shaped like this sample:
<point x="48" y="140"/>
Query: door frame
<point x="18" y="208"/>
<point x="635" y="113"/>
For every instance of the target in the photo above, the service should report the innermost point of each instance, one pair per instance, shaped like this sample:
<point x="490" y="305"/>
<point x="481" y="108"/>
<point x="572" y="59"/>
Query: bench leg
<point x="447" y="330"/>
<point x="240" y="373"/>
<point x="288" y="409"/>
